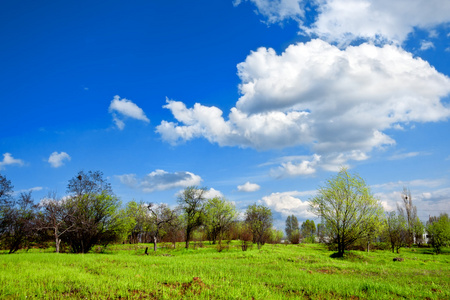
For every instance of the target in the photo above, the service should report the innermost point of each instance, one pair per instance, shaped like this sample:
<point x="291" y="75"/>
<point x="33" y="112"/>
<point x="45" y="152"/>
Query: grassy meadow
<point x="303" y="271"/>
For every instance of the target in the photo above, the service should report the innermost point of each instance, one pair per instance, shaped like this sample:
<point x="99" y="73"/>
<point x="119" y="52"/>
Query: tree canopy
<point x="346" y="205"/>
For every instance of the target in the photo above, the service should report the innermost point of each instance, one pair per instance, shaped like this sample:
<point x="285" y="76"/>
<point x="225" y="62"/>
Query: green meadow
<point x="303" y="271"/>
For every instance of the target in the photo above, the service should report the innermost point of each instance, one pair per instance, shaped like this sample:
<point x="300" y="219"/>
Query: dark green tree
<point x="292" y="229"/>
<point x="308" y="231"/>
<point x="259" y="218"/>
<point x="94" y="212"/>
<point x="191" y="202"/>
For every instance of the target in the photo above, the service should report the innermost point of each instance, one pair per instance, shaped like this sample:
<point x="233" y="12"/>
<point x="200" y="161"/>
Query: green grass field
<point x="274" y="272"/>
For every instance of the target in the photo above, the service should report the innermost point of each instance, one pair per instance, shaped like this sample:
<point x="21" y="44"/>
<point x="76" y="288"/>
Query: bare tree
<point x="161" y="216"/>
<point x="56" y="217"/>
<point x="409" y="212"/>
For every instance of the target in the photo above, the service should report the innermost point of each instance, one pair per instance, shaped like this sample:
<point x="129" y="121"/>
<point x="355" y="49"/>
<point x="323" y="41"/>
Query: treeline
<point x="91" y="215"/>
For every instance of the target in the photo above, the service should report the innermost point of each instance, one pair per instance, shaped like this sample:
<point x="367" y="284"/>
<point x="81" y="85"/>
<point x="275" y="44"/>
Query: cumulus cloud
<point x="343" y="21"/>
<point x="160" y="180"/>
<point x="8" y="159"/>
<point x="248" y="187"/>
<point x="213" y="193"/>
<point x="335" y="102"/>
<point x="288" y="203"/>
<point x="124" y="108"/>
<point x="56" y="159"/>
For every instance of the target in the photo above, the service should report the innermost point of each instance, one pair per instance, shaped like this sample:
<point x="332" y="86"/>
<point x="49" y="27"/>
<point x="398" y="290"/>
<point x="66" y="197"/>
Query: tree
<point x="259" y="219"/>
<point x="19" y="220"/>
<point x="219" y="215"/>
<point x="438" y="229"/>
<point x="55" y="216"/>
<point x="134" y="218"/>
<point x="6" y="190"/>
<point x="191" y="201"/>
<point x="409" y="212"/>
<point x="292" y="229"/>
<point x="308" y="230"/>
<point x="160" y="217"/>
<point x="396" y="230"/>
<point x="94" y="210"/>
<point x="346" y="205"/>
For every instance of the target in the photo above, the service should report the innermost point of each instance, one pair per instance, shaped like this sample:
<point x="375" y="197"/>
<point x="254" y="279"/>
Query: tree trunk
<point x="155" y="240"/>
<point x="57" y="243"/>
<point x="187" y="244"/>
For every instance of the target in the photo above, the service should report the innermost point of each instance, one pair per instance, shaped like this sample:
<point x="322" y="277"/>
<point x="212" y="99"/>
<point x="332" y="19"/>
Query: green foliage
<point x="219" y="215"/>
<point x="191" y="202"/>
<point x="292" y="229"/>
<point x="259" y="218"/>
<point x="308" y="231"/>
<point x="396" y="230"/>
<point x="438" y="229"/>
<point x="347" y="207"/>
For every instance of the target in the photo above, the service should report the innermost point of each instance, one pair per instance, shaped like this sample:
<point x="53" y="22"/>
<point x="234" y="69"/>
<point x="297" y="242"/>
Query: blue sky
<point x="258" y="100"/>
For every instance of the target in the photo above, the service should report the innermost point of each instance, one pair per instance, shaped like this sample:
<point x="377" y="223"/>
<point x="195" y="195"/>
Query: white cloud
<point x="277" y="10"/>
<point x="127" y="109"/>
<point x="429" y="201"/>
<point x="213" y="193"/>
<point x="160" y="180"/>
<point x="248" y="187"/>
<point x="399" y="156"/>
<point x="8" y="159"/>
<point x="289" y="203"/>
<point x="292" y="168"/>
<point x="56" y="159"/>
<point x="335" y="102"/>
<point x="343" y="21"/>
<point x="425" y="45"/>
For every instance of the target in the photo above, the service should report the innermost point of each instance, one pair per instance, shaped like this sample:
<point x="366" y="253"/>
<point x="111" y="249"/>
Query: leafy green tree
<point x="259" y="218"/>
<point x="346" y="205"/>
<point x="419" y="230"/>
<point x="438" y="229"/>
<point x="134" y="218"/>
<point x="308" y="230"/>
<point x="292" y="229"/>
<point x="396" y="230"/>
<point x="95" y="212"/>
<point x="191" y="202"/>
<point x="219" y="215"/>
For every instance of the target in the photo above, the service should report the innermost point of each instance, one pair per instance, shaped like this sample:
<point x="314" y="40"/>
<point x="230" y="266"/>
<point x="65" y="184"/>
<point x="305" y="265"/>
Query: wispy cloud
<point x="124" y="108"/>
<point x="425" y="45"/>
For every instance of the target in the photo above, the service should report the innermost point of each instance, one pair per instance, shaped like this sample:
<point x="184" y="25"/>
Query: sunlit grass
<point x="274" y="272"/>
